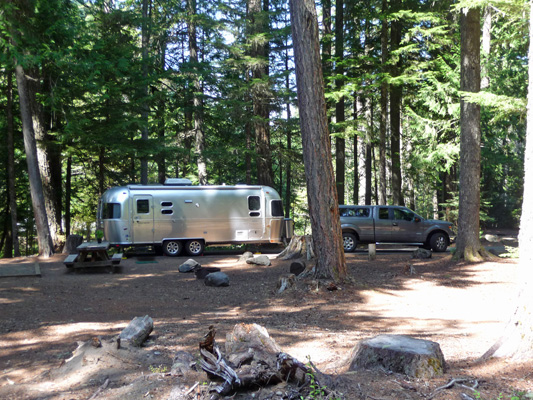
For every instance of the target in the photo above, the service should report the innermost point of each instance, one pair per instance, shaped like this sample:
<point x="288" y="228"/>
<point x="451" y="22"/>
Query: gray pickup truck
<point x="392" y="224"/>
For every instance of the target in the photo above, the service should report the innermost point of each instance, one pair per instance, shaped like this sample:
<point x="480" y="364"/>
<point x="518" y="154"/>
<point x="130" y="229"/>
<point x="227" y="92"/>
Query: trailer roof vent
<point x="178" y="182"/>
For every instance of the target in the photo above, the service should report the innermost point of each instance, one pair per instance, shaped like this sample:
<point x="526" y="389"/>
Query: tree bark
<point x="45" y="149"/>
<point x="145" y="39"/>
<point x="383" y="102"/>
<point x="395" y="114"/>
<point x="517" y="339"/>
<point x="368" y="154"/>
<point x="11" y="166"/>
<point x="197" y="96"/>
<point x="260" y="90"/>
<point x="288" y="174"/>
<point x="468" y="243"/>
<point x="46" y="246"/>
<point x="322" y="196"/>
<point x="340" y="142"/>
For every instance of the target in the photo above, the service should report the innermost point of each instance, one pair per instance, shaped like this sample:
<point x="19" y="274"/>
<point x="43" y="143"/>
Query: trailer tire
<point x="172" y="248"/>
<point x="195" y="247"/>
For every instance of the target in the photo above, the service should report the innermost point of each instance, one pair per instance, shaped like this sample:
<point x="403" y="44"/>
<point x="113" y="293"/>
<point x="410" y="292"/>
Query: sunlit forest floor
<point x="462" y="307"/>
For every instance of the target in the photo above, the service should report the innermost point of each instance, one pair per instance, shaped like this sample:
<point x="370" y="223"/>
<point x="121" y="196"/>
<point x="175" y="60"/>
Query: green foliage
<point x="88" y="61"/>
<point x="317" y="391"/>
<point x="518" y="395"/>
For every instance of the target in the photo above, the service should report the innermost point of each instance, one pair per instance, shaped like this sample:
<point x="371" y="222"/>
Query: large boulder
<point x="421" y="253"/>
<point x="217" y="279"/>
<point x="137" y="331"/>
<point x="246" y="256"/>
<point x="73" y="241"/>
<point x="259" y="260"/>
<point x="202" y="272"/>
<point x="189" y="266"/>
<point x="398" y="353"/>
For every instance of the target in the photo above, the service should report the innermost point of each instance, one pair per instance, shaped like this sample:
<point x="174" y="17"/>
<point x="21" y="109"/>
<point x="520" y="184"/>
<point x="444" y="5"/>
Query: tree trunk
<point x="395" y="114"/>
<point x="259" y="26"/>
<point x="288" y="188"/>
<point x="321" y="193"/>
<point x="487" y="27"/>
<point x="517" y="340"/>
<point x="383" y="102"/>
<point x="145" y="39"/>
<point x="46" y="246"/>
<point x="368" y="154"/>
<point x="340" y="142"/>
<point x="357" y="107"/>
<point x="468" y="243"/>
<point x="68" y="195"/>
<point x="45" y="145"/>
<point x="11" y="166"/>
<point x="161" y="157"/>
<point x="197" y="96"/>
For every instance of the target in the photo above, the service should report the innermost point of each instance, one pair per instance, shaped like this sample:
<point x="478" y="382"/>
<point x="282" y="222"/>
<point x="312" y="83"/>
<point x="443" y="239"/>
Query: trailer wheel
<point x="172" y="248"/>
<point x="194" y="247"/>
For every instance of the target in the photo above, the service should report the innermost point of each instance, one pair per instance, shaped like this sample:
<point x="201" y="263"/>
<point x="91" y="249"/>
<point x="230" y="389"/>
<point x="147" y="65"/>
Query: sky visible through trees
<point x="206" y="91"/>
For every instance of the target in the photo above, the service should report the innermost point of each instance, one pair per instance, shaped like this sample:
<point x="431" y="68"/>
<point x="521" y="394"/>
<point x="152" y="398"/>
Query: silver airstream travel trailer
<point x="179" y="216"/>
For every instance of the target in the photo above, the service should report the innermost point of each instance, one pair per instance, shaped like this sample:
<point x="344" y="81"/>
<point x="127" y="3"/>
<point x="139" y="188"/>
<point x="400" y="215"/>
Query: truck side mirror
<point x="417" y="219"/>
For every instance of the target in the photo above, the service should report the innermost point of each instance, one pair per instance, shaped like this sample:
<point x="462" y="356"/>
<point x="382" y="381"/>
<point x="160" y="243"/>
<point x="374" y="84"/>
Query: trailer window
<point x="167" y="212"/>
<point x="166" y="204"/>
<point x="143" y="206"/>
<point x="276" y="208"/>
<point x="254" y="203"/>
<point x="111" y="211"/>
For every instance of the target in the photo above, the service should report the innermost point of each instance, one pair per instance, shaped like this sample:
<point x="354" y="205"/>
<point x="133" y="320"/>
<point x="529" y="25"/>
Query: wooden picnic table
<point x="92" y="254"/>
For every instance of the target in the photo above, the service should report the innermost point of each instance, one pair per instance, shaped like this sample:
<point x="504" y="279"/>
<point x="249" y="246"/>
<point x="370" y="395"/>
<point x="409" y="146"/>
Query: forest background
<point x="139" y="91"/>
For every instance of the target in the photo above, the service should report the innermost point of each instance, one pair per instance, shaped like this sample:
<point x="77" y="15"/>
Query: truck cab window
<point x="362" y="212"/>
<point x="143" y="206"/>
<point x="403" y="215"/>
<point x="384" y="213"/>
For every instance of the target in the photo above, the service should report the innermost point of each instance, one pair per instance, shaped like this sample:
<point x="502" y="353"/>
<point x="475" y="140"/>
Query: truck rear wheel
<point x="194" y="247"/>
<point x="172" y="248"/>
<point x="438" y="242"/>
<point x="349" y="242"/>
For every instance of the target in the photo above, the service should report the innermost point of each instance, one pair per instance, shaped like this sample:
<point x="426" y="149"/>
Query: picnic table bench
<point x="92" y="254"/>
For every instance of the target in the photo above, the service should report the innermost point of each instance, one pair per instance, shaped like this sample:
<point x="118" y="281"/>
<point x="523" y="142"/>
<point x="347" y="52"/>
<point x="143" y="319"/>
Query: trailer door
<point x="143" y="219"/>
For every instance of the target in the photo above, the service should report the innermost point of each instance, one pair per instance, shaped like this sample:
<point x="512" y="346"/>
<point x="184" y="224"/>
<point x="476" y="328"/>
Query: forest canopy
<point x="138" y="91"/>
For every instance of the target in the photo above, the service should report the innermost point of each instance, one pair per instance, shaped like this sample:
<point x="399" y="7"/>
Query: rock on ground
<point x="217" y="279"/>
<point x="137" y="331"/>
<point x="259" y="260"/>
<point x="189" y="266"/>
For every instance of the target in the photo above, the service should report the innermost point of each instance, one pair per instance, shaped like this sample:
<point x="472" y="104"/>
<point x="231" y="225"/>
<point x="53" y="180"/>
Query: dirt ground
<point x="462" y="307"/>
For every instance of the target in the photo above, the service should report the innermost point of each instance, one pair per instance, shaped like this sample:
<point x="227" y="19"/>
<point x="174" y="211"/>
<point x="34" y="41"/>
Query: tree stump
<point x="299" y="247"/>
<point x="253" y="359"/>
<point x="285" y="281"/>
<point x="398" y="353"/>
